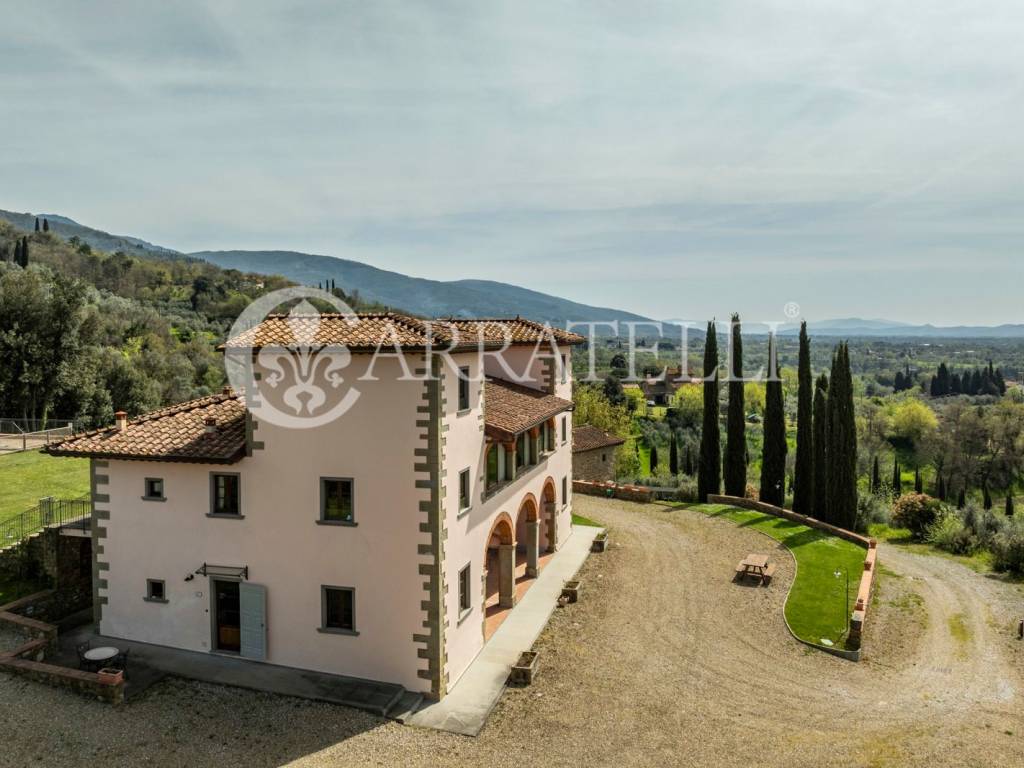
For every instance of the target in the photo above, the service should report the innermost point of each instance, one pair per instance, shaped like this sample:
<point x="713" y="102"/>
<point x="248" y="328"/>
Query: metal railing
<point x="48" y="513"/>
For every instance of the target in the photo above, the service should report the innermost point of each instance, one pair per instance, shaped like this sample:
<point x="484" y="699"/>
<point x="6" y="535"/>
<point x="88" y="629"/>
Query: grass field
<point x="816" y="608"/>
<point x="29" y="476"/>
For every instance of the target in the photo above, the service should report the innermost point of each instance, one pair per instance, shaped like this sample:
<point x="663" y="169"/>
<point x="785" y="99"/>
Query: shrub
<point x="751" y="492"/>
<point x="915" y="512"/>
<point x="687" y="490"/>
<point x="983" y="523"/>
<point x="950" y="533"/>
<point x="872" y="508"/>
<point x="1008" y="548"/>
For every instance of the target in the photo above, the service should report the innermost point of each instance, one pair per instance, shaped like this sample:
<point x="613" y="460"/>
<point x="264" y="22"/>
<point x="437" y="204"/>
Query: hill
<point x="429" y="298"/>
<point x="68" y="228"/>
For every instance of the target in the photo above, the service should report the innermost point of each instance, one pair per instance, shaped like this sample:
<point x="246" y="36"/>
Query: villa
<point x="387" y="544"/>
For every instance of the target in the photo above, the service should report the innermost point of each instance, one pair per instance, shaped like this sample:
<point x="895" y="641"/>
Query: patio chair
<point x="121" y="661"/>
<point x="84" y="663"/>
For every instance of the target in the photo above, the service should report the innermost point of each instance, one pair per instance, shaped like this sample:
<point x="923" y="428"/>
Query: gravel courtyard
<point x="663" y="662"/>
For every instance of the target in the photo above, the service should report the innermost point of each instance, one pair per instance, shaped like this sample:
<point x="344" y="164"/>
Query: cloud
<point x="786" y="140"/>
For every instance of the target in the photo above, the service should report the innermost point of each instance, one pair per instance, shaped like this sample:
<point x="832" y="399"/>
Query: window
<point x="336" y="501"/>
<point x="465" y="601"/>
<point x="155" y="591"/>
<point x="464" y="489"/>
<point x="463" y="389"/>
<point x="154" y="489"/>
<point x="549" y="435"/>
<point x="565" y="368"/>
<point x="224" y="493"/>
<point x="604" y="457"/>
<point x="565" y="429"/>
<point x="338" y="610"/>
<point x="565" y="490"/>
<point x="493" y="471"/>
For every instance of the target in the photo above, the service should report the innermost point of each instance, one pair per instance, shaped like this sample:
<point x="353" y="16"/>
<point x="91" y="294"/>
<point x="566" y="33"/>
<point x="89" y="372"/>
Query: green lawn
<point x="980" y="561"/>
<point x="29" y="476"/>
<point x="581" y="520"/>
<point x="816" y="607"/>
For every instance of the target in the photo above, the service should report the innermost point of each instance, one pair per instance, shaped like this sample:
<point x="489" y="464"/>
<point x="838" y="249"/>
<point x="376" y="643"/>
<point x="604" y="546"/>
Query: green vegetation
<point x="581" y="520"/>
<point x="709" y="472"/>
<point x="735" y="470"/>
<point x="803" y="472"/>
<point x="29" y="476"/>
<point x="774" y="447"/>
<point x="816" y="608"/>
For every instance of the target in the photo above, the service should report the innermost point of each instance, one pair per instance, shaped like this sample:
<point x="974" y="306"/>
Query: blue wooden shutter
<point x="252" y="602"/>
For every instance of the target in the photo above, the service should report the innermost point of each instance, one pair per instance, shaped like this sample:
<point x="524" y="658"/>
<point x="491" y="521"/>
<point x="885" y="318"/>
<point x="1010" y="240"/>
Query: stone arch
<point x="500" y="564"/>
<point x="504" y="529"/>
<point x="549" y="516"/>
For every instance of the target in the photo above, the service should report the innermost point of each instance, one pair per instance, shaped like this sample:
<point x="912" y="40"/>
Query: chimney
<point x="121" y="420"/>
<point x="211" y="425"/>
<point x="227" y="390"/>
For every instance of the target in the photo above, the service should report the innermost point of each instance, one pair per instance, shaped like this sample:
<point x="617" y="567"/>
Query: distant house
<point x="593" y="453"/>
<point x="660" y="390"/>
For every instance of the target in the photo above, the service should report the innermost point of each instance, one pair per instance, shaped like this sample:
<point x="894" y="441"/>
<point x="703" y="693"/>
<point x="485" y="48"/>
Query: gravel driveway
<point x="663" y="662"/>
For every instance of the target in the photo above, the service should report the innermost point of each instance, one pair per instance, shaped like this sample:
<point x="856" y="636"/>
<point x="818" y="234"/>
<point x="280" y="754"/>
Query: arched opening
<point x="549" y="526"/>
<point x="528" y="538"/>
<point x="499" y="574"/>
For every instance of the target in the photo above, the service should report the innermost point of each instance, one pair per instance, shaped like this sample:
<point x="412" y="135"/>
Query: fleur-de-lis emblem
<point x="304" y="364"/>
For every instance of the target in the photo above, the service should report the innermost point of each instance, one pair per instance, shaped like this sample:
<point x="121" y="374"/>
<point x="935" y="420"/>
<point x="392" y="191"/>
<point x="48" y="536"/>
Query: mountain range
<point x="464" y="298"/>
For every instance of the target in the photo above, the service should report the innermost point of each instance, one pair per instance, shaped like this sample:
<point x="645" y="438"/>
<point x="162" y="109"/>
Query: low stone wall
<point x="27" y="659"/>
<point x="867" y="577"/>
<point x="613" y="490"/>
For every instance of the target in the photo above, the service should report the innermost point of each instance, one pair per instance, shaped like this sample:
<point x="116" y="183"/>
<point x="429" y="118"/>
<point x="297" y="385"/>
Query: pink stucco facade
<point x="405" y="633"/>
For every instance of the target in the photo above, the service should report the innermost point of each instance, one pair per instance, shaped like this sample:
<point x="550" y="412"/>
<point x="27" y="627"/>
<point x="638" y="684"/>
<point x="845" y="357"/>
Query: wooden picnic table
<point x="756" y="566"/>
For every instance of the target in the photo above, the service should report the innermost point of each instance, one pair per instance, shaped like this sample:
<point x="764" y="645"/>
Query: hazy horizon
<point x="670" y="161"/>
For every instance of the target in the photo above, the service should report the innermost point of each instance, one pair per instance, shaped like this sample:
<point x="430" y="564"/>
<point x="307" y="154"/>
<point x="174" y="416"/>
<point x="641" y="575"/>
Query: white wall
<point x="281" y="543"/>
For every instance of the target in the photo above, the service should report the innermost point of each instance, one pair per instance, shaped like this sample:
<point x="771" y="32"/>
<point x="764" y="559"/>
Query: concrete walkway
<point x="466" y="707"/>
<point x="149" y="664"/>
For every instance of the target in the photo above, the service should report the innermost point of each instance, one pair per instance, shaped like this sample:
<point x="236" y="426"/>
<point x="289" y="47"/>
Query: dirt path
<point x="664" y="662"/>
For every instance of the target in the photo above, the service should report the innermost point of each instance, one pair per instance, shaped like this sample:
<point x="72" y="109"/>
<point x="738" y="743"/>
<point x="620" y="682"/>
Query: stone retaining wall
<point x="27" y="659"/>
<point x="613" y="490"/>
<point x="867" y="577"/>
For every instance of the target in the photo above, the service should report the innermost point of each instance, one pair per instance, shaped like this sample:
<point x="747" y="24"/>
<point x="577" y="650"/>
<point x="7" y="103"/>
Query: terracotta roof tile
<point x="587" y="437"/>
<point x="372" y="331"/>
<point x="177" y="433"/>
<point x="510" y="408"/>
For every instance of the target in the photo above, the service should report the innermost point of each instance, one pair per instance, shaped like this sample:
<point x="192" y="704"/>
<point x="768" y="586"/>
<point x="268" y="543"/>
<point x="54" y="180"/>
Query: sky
<point x="680" y="160"/>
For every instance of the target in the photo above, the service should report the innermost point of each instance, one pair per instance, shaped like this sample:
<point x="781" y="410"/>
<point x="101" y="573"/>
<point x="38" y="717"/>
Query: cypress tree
<point x="46" y="225"/>
<point x="17" y="252"/>
<point x="876" y="476"/>
<point x="773" y="456"/>
<point x="1009" y="505"/>
<point x="803" y="485"/>
<point x="654" y="459"/>
<point x="961" y="500"/>
<point x="986" y="496"/>
<point x="689" y="460"/>
<point x="897" y="478"/>
<point x="820" y="446"/>
<point x="37" y="223"/>
<point x="918" y="483"/>
<point x="709" y="476"/>
<point x="736" y="441"/>
<point x="24" y="252"/>
<point x="841" y="475"/>
<point x="673" y="456"/>
<point x="940" y="490"/>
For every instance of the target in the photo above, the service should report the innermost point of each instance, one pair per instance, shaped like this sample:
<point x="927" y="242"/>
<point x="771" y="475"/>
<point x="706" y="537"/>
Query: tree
<point x="876" y="476"/>
<point x="897" y="477"/>
<point x="46" y="225"/>
<point x="673" y="456"/>
<point x="1009" y="505"/>
<point x="841" y="475"/>
<point x="709" y="477"/>
<point x="961" y="500"/>
<point x="736" y="420"/>
<point x="820" y="445"/>
<point x="688" y="465"/>
<point x="773" y="456"/>
<point x="918" y="483"/>
<point x="940" y="491"/>
<point x="613" y="390"/>
<point x="803" y="485"/>
<point x="985" y="495"/>
<point x="37" y="223"/>
<point x="654" y="459"/>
